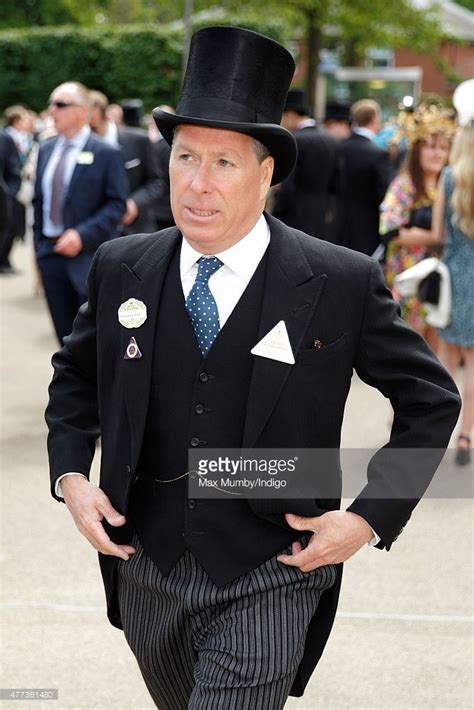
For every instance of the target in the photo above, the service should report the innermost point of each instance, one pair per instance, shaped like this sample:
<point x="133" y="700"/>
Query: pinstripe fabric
<point x="206" y="647"/>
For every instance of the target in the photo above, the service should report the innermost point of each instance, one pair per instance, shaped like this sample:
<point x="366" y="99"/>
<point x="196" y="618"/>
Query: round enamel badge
<point x="132" y="313"/>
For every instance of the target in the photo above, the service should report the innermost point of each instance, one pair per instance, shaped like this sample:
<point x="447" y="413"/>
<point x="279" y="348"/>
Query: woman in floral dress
<point x="405" y="220"/>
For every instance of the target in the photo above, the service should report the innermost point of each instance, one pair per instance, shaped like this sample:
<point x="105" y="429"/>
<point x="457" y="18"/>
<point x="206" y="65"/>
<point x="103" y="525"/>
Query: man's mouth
<point x="202" y="213"/>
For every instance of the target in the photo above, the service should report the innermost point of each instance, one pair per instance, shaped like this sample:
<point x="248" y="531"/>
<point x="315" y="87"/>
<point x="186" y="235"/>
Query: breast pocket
<point x="315" y="355"/>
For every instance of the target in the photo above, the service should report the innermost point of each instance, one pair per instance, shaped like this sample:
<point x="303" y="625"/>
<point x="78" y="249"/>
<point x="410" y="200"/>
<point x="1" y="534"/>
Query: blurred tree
<point x="354" y="24"/>
<point x="27" y="13"/>
<point x="467" y="3"/>
<point x="357" y="24"/>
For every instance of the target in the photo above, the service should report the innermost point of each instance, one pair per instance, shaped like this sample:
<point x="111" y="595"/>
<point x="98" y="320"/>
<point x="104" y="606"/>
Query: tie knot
<point x="206" y="267"/>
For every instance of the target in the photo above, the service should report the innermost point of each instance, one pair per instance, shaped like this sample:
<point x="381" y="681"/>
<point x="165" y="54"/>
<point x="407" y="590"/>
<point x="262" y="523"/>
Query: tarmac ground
<point x="402" y="639"/>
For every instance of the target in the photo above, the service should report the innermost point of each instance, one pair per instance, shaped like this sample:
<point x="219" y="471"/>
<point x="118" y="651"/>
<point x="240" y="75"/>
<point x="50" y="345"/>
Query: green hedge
<point x="123" y="62"/>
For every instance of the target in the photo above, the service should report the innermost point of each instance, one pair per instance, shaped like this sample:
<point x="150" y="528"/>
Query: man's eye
<point x="185" y="157"/>
<point x="223" y="163"/>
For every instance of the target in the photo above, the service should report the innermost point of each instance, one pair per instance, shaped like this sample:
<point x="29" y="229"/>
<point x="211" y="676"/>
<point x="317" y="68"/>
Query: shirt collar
<point x="242" y="258"/>
<point x="306" y="123"/>
<point x="364" y="132"/>
<point x="77" y="141"/>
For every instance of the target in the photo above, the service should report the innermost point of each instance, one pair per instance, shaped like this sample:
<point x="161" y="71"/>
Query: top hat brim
<point x="280" y="143"/>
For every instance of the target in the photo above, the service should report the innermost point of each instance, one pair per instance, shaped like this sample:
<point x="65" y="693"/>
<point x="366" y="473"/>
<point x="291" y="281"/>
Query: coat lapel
<point x="143" y="282"/>
<point x="79" y="169"/>
<point x="292" y="291"/>
<point x="43" y="159"/>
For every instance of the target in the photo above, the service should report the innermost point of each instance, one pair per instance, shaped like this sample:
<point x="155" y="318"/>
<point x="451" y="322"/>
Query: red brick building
<point x="458" y="54"/>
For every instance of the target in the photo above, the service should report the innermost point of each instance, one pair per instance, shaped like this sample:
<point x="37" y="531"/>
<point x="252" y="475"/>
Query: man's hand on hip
<point x="89" y="506"/>
<point x="337" y="536"/>
<point x="69" y="243"/>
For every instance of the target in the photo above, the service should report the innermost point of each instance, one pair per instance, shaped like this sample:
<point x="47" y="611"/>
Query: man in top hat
<point x="133" y="113"/>
<point x="337" y="119"/>
<point x="303" y="200"/>
<point x="230" y="330"/>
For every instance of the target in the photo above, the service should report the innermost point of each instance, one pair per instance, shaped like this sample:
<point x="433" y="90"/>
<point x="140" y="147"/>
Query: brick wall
<point x="459" y="57"/>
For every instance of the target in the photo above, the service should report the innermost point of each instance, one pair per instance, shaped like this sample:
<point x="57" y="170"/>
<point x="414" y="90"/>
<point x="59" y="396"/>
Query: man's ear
<point x="266" y="173"/>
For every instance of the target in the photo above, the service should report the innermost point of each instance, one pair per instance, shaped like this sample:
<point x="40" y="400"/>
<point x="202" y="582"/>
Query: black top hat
<point x="336" y="111"/>
<point x="297" y="101"/>
<point x="236" y="80"/>
<point x="133" y="112"/>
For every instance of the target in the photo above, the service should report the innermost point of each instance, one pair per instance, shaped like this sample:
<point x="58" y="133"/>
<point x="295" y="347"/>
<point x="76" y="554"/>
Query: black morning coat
<point x="322" y="292"/>
<point x="366" y="176"/>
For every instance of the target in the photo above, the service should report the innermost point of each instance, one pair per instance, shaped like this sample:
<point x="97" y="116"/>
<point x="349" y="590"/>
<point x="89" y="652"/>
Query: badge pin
<point x="133" y="351"/>
<point x="318" y="344"/>
<point x="132" y="313"/>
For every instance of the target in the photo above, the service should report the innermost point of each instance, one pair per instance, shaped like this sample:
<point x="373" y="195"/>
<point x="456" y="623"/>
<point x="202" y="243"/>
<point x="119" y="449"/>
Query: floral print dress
<point x="395" y="212"/>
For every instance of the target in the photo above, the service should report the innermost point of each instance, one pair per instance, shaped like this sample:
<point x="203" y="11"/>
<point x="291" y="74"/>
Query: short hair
<point x="261" y="150"/>
<point x="13" y="114"/>
<point x="98" y="100"/>
<point x="81" y="90"/>
<point x="364" y="111"/>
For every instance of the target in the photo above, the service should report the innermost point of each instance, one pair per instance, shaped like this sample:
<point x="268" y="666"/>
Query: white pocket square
<point x="275" y="345"/>
<point x="134" y="163"/>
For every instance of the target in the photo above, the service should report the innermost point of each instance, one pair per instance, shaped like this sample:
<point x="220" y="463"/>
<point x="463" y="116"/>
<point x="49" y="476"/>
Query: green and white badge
<point x="132" y="313"/>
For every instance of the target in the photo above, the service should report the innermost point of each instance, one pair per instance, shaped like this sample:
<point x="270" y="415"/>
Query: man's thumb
<point x="113" y="517"/>
<point x="298" y="522"/>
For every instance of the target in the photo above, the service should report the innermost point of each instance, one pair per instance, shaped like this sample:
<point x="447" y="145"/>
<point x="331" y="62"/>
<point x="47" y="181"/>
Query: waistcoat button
<point x="194" y="441"/>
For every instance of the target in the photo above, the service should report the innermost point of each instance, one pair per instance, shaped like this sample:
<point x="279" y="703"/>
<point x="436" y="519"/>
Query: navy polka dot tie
<point x="201" y="305"/>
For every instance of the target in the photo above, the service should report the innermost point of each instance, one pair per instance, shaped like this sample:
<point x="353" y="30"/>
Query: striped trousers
<point x="204" y="647"/>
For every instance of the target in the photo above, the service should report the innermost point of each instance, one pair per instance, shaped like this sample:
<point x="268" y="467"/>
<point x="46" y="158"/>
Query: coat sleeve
<point x="72" y="414"/>
<point x="149" y="190"/>
<point x="396" y="360"/>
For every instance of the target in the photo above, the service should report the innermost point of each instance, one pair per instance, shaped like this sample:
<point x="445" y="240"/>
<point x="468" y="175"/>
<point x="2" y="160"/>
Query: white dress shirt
<point x="240" y="263"/>
<point x="111" y="134"/>
<point x="77" y="146"/>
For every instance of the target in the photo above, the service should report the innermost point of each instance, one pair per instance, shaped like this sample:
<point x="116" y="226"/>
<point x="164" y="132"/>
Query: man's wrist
<point x="58" y="487"/>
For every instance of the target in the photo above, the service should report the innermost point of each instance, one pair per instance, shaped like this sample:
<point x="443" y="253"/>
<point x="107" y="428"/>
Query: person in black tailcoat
<point x="140" y="163"/>
<point x="232" y="330"/>
<point x="367" y="174"/>
<point x="303" y="200"/>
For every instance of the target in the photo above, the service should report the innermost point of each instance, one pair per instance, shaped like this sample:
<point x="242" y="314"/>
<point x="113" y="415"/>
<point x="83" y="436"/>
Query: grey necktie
<point x="58" y="193"/>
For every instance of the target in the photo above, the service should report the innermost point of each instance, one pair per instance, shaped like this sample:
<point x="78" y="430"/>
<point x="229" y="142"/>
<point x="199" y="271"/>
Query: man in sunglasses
<point x="80" y="197"/>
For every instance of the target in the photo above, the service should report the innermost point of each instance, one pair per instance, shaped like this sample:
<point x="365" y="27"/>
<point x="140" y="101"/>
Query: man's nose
<point x="202" y="181"/>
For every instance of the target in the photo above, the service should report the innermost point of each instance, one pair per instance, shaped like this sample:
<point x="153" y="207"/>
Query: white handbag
<point x="408" y="282"/>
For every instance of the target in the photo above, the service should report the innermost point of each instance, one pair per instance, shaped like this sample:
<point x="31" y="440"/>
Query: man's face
<point x="69" y="112"/>
<point x="218" y="187"/>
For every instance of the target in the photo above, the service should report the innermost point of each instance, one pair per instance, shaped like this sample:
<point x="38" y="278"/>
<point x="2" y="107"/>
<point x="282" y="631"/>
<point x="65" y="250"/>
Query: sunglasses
<point x="62" y="104"/>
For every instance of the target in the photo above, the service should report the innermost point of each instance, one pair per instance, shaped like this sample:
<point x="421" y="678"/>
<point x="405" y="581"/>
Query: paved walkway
<point x="402" y="639"/>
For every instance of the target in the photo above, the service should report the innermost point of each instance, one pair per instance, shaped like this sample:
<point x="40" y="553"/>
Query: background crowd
<point x="84" y="171"/>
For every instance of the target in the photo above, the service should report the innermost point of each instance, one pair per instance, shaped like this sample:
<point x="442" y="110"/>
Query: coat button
<point x="203" y="376"/>
<point x="191" y="504"/>
<point x="194" y="441"/>
<point x="129" y="468"/>
<point x="199" y="409"/>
